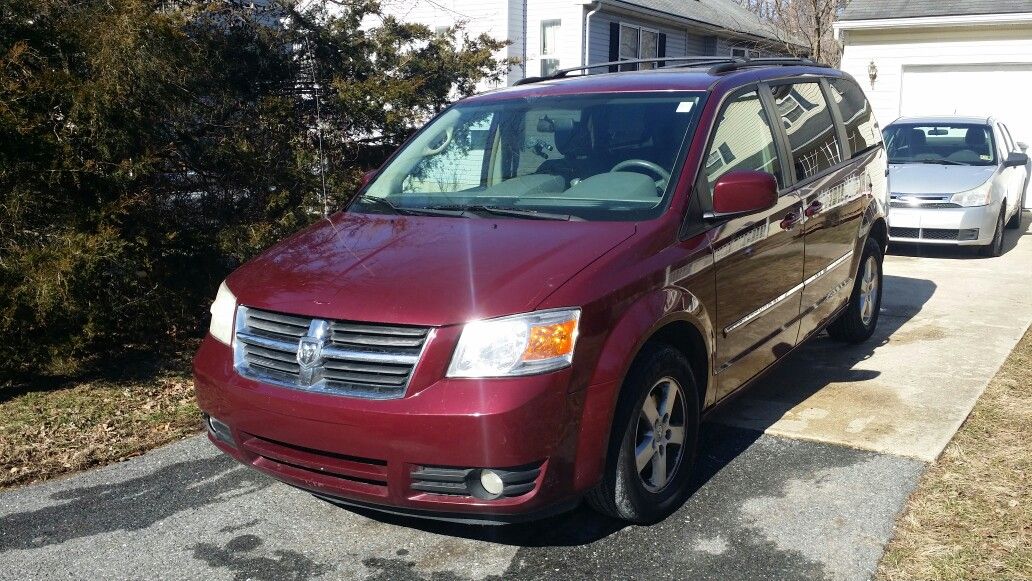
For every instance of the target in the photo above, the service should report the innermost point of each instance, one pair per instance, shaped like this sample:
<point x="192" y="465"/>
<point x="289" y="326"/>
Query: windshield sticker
<point x="685" y="106"/>
<point x="985" y="157"/>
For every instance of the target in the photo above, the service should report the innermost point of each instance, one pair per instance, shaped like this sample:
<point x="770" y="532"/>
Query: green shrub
<point x="147" y="147"/>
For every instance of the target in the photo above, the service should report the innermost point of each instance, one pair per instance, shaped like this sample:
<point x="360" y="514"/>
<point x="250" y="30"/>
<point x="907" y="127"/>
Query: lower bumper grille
<point x="934" y="233"/>
<point x="325" y="468"/>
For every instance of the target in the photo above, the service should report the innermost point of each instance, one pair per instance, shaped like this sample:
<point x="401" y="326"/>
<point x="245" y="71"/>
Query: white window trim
<point x="640" y="29"/>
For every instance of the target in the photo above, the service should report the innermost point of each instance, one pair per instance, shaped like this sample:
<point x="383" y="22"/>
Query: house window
<point x="549" y="46"/>
<point x="746" y="53"/>
<point x="637" y="42"/>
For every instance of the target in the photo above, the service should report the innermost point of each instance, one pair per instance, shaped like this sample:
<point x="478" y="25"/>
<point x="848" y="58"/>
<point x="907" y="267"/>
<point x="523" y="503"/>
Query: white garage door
<point x="1000" y="90"/>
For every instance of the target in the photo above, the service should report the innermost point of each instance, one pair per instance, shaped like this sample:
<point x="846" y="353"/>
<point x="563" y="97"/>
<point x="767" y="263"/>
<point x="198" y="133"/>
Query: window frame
<point x="749" y="53"/>
<point x="641" y="29"/>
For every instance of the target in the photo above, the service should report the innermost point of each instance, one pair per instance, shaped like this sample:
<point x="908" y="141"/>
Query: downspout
<point x="587" y="34"/>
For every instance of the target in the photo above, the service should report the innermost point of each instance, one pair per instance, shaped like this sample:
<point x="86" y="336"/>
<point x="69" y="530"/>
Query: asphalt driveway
<point x="802" y="478"/>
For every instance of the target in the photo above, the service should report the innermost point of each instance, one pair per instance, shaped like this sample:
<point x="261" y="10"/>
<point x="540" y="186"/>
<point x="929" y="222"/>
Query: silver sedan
<point x="954" y="180"/>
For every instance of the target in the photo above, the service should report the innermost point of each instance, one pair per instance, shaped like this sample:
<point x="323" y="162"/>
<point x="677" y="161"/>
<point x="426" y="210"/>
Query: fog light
<point x="220" y="430"/>
<point x="491" y="482"/>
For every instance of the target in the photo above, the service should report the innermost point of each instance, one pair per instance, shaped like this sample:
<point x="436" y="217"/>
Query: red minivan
<point x="538" y="297"/>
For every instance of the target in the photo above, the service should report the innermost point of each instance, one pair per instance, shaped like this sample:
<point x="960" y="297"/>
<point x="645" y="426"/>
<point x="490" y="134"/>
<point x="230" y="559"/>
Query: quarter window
<point x="742" y="141"/>
<point x="808" y="123"/>
<point x="862" y="129"/>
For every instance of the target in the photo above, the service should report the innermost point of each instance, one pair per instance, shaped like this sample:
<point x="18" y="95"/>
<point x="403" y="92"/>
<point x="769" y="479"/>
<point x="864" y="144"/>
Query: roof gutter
<point x="587" y="33"/>
<point x="932" y="21"/>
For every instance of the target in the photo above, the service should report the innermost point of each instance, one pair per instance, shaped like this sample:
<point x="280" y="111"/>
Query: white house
<point x="546" y="35"/>
<point x="929" y="57"/>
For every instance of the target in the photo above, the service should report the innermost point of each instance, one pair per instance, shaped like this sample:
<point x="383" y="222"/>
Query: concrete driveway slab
<point x="764" y="508"/>
<point x="948" y="321"/>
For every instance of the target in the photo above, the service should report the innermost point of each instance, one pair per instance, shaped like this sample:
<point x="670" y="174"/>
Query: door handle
<point x="790" y="220"/>
<point x="814" y="208"/>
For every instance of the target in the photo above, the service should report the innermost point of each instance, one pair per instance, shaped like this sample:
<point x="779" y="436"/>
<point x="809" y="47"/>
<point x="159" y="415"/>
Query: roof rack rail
<point x="766" y="62"/>
<point x="719" y="65"/>
<point x="661" y="62"/>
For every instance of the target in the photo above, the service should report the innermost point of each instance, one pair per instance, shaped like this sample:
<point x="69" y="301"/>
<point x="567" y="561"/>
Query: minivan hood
<point x="927" y="178"/>
<point x="422" y="270"/>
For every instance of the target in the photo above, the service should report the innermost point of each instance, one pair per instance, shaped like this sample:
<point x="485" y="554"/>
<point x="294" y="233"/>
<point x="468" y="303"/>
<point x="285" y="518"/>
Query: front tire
<point x="1015" y="220"/>
<point x="995" y="248"/>
<point x="857" y="323"/>
<point x="652" y="447"/>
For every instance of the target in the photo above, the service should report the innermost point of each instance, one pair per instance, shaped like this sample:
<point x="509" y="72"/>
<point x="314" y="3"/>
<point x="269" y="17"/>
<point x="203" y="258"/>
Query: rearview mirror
<point x="739" y="193"/>
<point x="1016" y="160"/>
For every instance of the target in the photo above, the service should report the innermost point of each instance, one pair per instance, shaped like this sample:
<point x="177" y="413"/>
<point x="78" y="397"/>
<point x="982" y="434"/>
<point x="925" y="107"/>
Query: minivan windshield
<point x="946" y="144"/>
<point x="565" y="157"/>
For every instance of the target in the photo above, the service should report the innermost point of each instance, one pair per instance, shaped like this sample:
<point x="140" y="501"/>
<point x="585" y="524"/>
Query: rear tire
<point x="995" y="248"/>
<point x="652" y="446"/>
<point x="857" y="323"/>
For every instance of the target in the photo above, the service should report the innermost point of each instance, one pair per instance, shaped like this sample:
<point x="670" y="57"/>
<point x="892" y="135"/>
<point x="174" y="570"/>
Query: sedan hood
<point x="421" y="270"/>
<point x="927" y="178"/>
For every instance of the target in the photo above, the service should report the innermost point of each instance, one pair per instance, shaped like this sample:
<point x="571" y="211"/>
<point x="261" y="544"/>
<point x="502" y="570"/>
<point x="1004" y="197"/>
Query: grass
<point x="971" y="515"/>
<point x="51" y="427"/>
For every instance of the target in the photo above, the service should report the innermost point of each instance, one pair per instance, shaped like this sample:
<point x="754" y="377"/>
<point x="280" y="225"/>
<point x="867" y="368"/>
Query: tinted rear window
<point x="811" y="131"/>
<point x="862" y="129"/>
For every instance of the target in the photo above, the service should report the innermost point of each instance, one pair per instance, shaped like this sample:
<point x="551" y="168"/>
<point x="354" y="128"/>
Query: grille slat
<point x="357" y="359"/>
<point x="276" y="328"/>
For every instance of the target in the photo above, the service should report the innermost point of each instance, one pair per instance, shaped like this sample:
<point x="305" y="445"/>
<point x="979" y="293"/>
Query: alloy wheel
<point x="660" y="433"/>
<point x="868" y="291"/>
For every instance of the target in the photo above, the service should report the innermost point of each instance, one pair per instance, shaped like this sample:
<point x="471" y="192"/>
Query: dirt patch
<point x="927" y="331"/>
<point x="971" y="515"/>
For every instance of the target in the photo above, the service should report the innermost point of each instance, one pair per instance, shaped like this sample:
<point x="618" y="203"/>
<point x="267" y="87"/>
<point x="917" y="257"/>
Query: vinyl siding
<point x="891" y="51"/>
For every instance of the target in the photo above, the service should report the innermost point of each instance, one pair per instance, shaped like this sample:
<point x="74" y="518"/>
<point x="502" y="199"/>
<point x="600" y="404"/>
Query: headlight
<point x="223" y="315"/>
<point x="516" y="345"/>
<point x="980" y="196"/>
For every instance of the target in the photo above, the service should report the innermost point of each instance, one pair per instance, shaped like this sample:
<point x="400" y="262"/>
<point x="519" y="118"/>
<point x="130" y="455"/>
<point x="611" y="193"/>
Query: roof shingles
<point x="879" y="9"/>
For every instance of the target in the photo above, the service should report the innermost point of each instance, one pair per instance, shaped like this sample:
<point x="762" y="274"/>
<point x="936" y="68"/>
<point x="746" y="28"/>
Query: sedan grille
<point x="363" y="360"/>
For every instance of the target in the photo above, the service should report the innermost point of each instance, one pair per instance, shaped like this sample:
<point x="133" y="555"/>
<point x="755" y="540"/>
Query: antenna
<point x="318" y="125"/>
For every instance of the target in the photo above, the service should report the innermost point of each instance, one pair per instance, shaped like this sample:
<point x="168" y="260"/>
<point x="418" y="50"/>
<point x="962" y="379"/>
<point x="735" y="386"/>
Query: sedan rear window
<point x="946" y="144"/>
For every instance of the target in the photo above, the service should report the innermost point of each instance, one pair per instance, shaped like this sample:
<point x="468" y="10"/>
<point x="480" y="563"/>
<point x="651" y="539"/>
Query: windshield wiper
<point x="939" y="162"/>
<point x="412" y="211"/>
<point x="511" y="212"/>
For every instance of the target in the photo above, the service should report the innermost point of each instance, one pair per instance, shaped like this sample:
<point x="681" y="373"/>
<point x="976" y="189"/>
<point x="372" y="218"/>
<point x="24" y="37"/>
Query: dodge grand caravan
<point x="539" y="296"/>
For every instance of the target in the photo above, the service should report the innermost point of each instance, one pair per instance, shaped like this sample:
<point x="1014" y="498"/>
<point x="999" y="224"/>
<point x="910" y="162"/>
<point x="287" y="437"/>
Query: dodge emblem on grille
<point x="309" y="349"/>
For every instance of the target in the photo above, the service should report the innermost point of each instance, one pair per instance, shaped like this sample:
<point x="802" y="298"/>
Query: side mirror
<point x="366" y="177"/>
<point x="1022" y="145"/>
<point x="1016" y="160"/>
<point x="740" y="193"/>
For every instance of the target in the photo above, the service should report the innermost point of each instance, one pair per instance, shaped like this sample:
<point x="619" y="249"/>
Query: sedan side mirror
<point x="740" y="193"/>
<point x="1022" y="145"/>
<point x="1016" y="160"/>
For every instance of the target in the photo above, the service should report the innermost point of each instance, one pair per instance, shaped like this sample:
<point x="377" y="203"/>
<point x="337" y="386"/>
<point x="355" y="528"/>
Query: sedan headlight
<point x="223" y="315"/>
<point x="516" y="345"/>
<point x="980" y="196"/>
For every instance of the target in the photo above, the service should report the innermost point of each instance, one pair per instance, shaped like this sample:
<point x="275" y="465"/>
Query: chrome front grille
<point x="363" y="360"/>
<point x="927" y="201"/>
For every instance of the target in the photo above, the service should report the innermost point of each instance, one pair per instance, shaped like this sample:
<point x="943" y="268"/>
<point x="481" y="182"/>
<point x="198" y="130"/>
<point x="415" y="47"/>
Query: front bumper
<point x="371" y="453"/>
<point x="950" y="226"/>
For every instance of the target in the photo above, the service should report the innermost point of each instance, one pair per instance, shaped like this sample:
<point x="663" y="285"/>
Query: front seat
<point x="976" y="141"/>
<point x="573" y="141"/>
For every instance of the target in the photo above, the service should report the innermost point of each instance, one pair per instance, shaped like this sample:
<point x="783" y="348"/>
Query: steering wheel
<point x="664" y="175"/>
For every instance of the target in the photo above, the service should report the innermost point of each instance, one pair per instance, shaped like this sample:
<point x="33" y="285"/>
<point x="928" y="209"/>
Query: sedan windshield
<point x="948" y="144"/>
<point x="595" y="157"/>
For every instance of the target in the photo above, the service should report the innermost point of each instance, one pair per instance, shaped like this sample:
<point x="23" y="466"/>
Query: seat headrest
<point x="917" y="138"/>
<point x="572" y="138"/>
<point x="975" y="139"/>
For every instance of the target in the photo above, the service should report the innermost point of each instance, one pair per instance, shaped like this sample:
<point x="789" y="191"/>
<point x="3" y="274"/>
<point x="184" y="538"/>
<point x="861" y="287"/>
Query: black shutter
<point x="662" y="49"/>
<point x="614" y="45"/>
